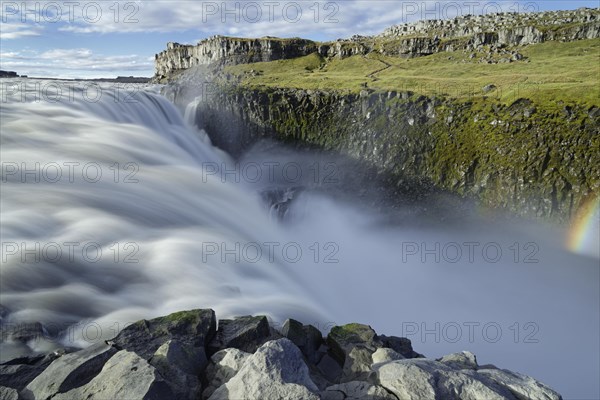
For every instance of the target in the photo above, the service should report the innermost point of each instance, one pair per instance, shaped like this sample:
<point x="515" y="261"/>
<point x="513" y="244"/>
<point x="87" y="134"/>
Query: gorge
<point x="401" y="216"/>
<point x="497" y="142"/>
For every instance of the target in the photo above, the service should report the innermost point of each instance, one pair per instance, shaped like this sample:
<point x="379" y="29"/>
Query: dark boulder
<point x="195" y="328"/>
<point x="243" y="333"/>
<point x="308" y="339"/>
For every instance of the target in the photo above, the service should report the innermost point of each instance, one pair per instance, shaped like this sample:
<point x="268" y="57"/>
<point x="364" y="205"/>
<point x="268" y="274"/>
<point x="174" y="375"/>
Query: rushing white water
<point x="144" y="220"/>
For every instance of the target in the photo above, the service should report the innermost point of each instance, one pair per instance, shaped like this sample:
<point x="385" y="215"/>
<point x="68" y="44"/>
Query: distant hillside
<point x="496" y="34"/>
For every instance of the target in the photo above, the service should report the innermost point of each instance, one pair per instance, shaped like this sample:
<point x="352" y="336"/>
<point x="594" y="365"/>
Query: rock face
<point x="356" y="390"/>
<point x="422" y="38"/>
<point x="124" y="376"/>
<point x="229" y="51"/>
<point x="19" y="372"/>
<point x="275" y="371"/>
<point x="164" y="358"/>
<point x="195" y="328"/>
<point x="308" y="339"/>
<point x="224" y="365"/>
<point x="68" y="372"/>
<point x="538" y="161"/>
<point x="511" y="28"/>
<point x="522" y="157"/>
<point x="244" y="333"/>
<point x="422" y="379"/>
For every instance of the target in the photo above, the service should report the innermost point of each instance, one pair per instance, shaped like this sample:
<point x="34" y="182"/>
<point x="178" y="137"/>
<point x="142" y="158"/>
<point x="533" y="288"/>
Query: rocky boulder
<point x="195" y="328"/>
<point x="356" y="390"/>
<point x="308" y="339"/>
<point x="124" y="376"/>
<point x="244" y="333"/>
<point x="165" y="358"/>
<point x="7" y="393"/>
<point x="276" y="371"/>
<point x="223" y="366"/>
<point x="462" y="360"/>
<point x="19" y="372"/>
<point x="422" y="379"/>
<point x="68" y="372"/>
<point x="181" y="365"/>
<point x="352" y="346"/>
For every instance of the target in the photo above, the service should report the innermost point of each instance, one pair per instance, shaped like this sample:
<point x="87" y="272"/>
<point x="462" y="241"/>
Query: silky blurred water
<point x="119" y="209"/>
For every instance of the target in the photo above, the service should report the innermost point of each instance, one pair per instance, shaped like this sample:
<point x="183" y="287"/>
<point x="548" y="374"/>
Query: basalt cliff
<point x="407" y="40"/>
<point x="536" y="155"/>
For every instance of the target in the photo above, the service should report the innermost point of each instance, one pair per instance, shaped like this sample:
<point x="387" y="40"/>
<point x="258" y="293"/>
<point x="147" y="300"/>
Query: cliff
<point x="408" y="40"/>
<point x="515" y="127"/>
<point x="534" y="161"/>
<point x="185" y="356"/>
<point x="227" y="51"/>
<point x="529" y="28"/>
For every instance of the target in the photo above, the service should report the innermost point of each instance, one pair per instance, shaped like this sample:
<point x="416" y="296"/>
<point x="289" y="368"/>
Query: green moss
<point x="349" y="331"/>
<point x="532" y="149"/>
<point x="553" y="71"/>
<point x="184" y="317"/>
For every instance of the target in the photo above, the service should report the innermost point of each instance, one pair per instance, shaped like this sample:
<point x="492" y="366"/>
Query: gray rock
<point x="223" y="366"/>
<point x="489" y="88"/>
<point x="385" y="354"/>
<point x="330" y="368"/>
<point x="594" y="112"/>
<point x="188" y="359"/>
<point x="195" y="328"/>
<point x="521" y="386"/>
<point x="244" y="333"/>
<point x="356" y="390"/>
<point x="7" y="393"/>
<point x="353" y="345"/>
<point x="180" y="365"/>
<point x="400" y="345"/>
<point x="276" y="371"/>
<point x="429" y="379"/>
<point x="124" y="376"/>
<point x="406" y="380"/>
<point x="462" y="360"/>
<point x="342" y="339"/>
<point x="68" y="372"/>
<point x="226" y="50"/>
<point x="306" y="337"/>
<point x="18" y="373"/>
<point x="358" y="365"/>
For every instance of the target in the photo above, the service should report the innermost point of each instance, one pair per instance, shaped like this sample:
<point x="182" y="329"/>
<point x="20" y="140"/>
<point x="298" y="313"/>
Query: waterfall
<point x="118" y="209"/>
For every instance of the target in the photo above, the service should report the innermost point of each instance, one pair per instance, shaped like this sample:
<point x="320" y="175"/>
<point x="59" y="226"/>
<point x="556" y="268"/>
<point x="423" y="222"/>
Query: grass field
<point x="551" y="72"/>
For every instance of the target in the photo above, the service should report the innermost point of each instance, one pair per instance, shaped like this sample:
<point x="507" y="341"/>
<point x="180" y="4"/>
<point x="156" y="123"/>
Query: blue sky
<point x="82" y="39"/>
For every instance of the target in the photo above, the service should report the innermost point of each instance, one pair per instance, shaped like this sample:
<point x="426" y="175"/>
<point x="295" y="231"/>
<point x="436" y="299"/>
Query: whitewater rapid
<point x="116" y="210"/>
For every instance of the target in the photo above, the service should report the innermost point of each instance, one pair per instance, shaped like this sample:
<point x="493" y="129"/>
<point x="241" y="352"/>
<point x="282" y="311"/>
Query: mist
<point x="115" y="211"/>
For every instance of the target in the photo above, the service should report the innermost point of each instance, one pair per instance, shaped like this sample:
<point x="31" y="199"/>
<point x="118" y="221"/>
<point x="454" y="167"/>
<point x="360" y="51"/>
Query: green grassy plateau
<point x="550" y="72"/>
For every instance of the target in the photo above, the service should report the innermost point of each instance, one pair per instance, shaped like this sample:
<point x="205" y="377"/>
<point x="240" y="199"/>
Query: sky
<point x="93" y="39"/>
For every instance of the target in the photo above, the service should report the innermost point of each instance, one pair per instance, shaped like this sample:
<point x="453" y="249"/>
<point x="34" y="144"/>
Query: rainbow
<point x="584" y="235"/>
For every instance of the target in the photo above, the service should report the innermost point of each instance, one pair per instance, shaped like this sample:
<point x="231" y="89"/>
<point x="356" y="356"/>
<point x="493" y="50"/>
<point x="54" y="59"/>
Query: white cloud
<point x="328" y="19"/>
<point x="73" y="63"/>
<point x="66" y="54"/>
<point x="18" y="30"/>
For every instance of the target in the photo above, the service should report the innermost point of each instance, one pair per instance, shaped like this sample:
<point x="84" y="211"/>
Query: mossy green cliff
<point x="538" y="161"/>
<point x="515" y="127"/>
